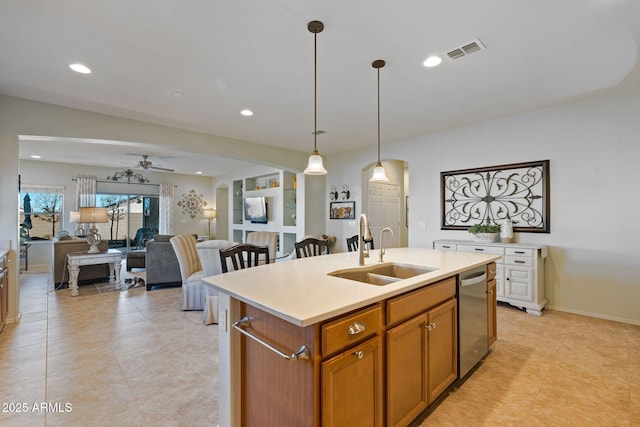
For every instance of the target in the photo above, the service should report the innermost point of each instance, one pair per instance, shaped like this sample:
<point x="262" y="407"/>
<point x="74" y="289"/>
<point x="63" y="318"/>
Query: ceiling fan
<point x="146" y="165"/>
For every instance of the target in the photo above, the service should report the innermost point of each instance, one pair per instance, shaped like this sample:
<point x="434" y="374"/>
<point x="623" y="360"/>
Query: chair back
<point x="311" y="247"/>
<point x="184" y="245"/>
<point x="243" y="256"/>
<point x="209" y="252"/>
<point x="265" y="238"/>
<point x="352" y="243"/>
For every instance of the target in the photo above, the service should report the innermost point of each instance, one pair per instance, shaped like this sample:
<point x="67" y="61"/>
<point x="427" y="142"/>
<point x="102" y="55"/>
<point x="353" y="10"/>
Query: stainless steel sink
<point x="382" y="274"/>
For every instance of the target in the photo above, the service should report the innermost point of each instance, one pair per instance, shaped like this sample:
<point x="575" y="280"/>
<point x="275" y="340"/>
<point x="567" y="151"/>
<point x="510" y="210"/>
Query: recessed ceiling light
<point x="178" y="94"/>
<point x="246" y="112"/>
<point x="35" y="156"/>
<point x="432" y="61"/>
<point x="79" y="68"/>
<point x="198" y="172"/>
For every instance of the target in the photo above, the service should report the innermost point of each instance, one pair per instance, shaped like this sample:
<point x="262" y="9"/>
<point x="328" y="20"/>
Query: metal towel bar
<point x="302" y="353"/>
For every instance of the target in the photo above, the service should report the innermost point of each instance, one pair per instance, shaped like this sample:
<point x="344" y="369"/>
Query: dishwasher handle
<point x="473" y="280"/>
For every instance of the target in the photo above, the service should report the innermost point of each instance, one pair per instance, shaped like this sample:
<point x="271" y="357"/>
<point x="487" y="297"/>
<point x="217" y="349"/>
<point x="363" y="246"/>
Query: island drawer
<point x="408" y="305"/>
<point x="351" y="329"/>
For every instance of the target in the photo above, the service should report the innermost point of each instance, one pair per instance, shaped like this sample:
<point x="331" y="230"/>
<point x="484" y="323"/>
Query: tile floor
<point x="134" y="358"/>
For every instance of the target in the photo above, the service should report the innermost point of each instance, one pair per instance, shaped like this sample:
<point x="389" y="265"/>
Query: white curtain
<point x="85" y="192"/>
<point x="166" y="209"/>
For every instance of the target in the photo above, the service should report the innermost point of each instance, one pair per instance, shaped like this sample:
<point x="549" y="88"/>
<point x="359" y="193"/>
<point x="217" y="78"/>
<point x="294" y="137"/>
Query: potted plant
<point x="485" y="232"/>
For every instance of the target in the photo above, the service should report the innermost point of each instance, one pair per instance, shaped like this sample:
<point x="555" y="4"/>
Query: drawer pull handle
<point x="359" y="354"/>
<point x="355" y="328"/>
<point x="478" y="249"/>
<point x="446" y="247"/>
<point x="430" y="326"/>
<point x="492" y="271"/>
<point x="519" y="261"/>
<point x="519" y="252"/>
<point x="302" y="353"/>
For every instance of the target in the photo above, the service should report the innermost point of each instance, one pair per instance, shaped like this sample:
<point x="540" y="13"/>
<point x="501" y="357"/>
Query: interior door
<point x="384" y="211"/>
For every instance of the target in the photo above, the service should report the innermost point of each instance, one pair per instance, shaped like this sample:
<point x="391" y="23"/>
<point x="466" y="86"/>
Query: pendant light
<point x="378" y="171"/>
<point x="315" y="166"/>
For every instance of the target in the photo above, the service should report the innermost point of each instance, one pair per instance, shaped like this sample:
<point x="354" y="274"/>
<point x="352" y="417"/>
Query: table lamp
<point x="74" y="218"/>
<point x="209" y="214"/>
<point x="93" y="215"/>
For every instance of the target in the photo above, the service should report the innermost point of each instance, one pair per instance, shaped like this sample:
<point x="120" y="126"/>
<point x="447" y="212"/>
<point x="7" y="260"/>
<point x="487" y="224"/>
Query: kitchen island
<point x="300" y="309"/>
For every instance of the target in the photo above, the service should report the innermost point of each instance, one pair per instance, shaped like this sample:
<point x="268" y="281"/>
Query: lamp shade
<point x="378" y="174"/>
<point x="315" y="166"/>
<point x="74" y="217"/>
<point x="209" y="213"/>
<point x="93" y="215"/>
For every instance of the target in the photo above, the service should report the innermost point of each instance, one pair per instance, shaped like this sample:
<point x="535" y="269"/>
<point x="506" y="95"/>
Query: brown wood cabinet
<point x="380" y="365"/>
<point x="492" y="301"/>
<point x="4" y="291"/>
<point x="352" y="392"/>
<point x="421" y="362"/>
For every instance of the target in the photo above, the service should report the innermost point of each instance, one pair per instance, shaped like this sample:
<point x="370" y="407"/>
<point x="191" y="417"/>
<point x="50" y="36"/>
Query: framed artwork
<point x="490" y="195"/>
<point x="342" y="210"/>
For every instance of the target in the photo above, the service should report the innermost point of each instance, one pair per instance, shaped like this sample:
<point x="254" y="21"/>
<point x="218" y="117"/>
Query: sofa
<point x="161" y="263"/>
<point x="88" y="273"/>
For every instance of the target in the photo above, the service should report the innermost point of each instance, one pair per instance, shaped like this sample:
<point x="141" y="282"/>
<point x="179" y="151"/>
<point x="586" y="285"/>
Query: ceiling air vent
<point x="462" y="51"/>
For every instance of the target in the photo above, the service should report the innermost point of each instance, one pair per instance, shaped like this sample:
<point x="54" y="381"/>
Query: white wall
<point x="593" y="149"/>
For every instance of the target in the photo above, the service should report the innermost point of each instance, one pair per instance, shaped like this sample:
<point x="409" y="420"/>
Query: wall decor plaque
<point x="491" y="195"/>
<point x="342" y="210"/>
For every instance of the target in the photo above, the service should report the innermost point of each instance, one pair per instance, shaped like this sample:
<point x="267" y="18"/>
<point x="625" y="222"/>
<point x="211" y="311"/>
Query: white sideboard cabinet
<point x="519" y="273"/>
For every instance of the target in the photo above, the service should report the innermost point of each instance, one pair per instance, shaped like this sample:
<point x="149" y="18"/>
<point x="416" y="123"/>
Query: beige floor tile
<point x="134" y="358"/>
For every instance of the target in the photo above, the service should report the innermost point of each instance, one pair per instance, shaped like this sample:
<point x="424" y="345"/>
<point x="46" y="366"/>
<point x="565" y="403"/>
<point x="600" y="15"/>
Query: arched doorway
<point x="386" y="204"/>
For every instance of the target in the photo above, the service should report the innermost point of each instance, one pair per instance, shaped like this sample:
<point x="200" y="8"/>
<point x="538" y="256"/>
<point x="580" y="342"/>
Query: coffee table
<point x="112" y="257"/>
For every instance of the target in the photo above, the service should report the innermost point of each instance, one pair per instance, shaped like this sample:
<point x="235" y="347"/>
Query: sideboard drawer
<point x="520" y="252"/>
<point x="445" y="246"/>
<point x="519" y="260"/>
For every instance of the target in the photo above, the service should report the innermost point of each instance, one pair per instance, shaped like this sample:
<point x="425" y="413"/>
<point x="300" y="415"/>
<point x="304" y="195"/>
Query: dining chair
<point x="352" y="243"/>
<point x="311" y="247"/>
<point x="243" y="256"/>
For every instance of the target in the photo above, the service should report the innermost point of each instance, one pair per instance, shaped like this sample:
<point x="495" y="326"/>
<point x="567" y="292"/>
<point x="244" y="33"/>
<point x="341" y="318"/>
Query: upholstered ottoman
<point x="136" y="259"/>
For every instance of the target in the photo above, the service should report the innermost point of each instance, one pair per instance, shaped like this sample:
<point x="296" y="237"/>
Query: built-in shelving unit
<point x="280" y="188"/>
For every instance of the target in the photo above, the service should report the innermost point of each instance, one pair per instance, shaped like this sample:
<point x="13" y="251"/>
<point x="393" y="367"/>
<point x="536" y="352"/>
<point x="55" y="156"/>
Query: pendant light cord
<point x="378" y="115"/>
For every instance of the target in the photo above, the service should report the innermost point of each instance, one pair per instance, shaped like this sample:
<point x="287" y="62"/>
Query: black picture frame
<point x="342" y="210"/>
<point x="490" y="195"/>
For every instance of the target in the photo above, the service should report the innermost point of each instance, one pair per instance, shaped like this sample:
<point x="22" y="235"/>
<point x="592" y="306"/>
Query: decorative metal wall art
<point x="192" y="204"/>
<point x="490" y="195"/>
<point x="128" y="175"/>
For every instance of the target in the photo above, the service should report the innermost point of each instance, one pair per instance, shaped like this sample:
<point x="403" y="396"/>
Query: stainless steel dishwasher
<point x="472" y="312"/>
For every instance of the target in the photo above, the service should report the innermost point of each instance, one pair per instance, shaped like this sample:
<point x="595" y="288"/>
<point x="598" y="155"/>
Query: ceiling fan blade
<point x="161" y="169"/>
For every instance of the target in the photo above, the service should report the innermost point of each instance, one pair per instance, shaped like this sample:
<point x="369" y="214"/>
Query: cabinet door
<point x="351" y="386"/>
<point x="442" y="348"/>
<point x="406" y="346"/>
<point x="492" y="320"/>
<point x="519" y="283"/>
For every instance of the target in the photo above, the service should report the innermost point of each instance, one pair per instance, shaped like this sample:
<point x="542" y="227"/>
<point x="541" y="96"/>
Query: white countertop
<point x="301" y="292"/>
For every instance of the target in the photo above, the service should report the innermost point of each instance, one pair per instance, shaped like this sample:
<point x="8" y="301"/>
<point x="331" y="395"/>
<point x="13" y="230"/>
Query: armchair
<point x="209" y="253"/>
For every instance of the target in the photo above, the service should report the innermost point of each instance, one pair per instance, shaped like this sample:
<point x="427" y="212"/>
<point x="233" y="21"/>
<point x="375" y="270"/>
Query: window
<point x="41" y="211"/>
<point x="133" y="219"/>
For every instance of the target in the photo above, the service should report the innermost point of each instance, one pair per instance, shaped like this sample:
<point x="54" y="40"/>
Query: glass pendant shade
<point x="315" y="166"/>
<point x="378" y="174"/>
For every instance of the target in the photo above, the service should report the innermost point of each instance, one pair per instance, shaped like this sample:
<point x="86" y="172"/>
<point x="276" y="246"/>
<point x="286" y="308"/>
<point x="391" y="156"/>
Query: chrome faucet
<point x="382" y="247"/>
<point x="363" y="234"/>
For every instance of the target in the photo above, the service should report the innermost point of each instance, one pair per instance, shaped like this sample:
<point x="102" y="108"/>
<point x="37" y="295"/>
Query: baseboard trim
<point x="592" y="314"/>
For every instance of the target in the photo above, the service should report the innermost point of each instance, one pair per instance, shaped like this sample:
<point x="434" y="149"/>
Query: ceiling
<point x="195" y="65"/>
